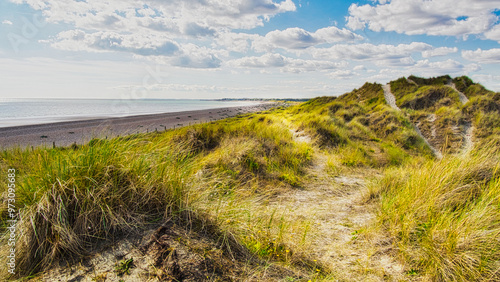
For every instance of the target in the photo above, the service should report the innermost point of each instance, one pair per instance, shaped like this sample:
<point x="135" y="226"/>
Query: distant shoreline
<point x="28" y="112"/>
<point x="81" y="131"/>
<point x="262" y="99"/>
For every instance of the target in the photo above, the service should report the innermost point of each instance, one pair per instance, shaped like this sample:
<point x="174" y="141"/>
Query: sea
<point x="16" y="112"/>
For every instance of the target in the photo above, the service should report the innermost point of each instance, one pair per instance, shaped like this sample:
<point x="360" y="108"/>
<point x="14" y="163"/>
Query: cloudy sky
<point x="239" y="48"/>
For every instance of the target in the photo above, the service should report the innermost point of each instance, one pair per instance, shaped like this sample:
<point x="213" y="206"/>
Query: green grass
<point x="429" y="97"/>
<point x="439" y="113"/>
<point x="401" y="87"/>
<point x="123" y="267"/>
<point x="476" y="90"/>
<point x="69" y="199"/>
<point x="462" y="82"/>
<point x="72" y="198"/>
<point x="483" y="109"/>
<point x="442" y="216"/>
<point x="440" y="80"/>
<point x="360" y="127"/>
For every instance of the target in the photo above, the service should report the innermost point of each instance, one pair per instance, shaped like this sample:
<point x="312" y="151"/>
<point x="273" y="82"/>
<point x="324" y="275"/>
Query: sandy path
<point x="391" y="101"/>
<point x="337" y="212"/>
<point x="468" y="129"/>
<point x="389" y="97"/>
<point x="461" y="96"/>
<point x="336" y="208"/>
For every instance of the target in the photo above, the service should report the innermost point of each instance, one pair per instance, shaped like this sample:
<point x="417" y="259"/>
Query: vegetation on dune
<point x="440" y="80"/>
<point x="430" y="98"/>
<point x="73" y="198"/>
<point x="361" y="128"/>
<point x="483" y="109"/>
<point x="68" y="198"/>
<point x="402" y="87"/>
<point x="222" y="178"/>
<point x="443" y="216"/>
<point x="462" y="82"/>
<point x="469" y="88"/>
<point x="256" y="146"/>
<point x="435" y="107"/>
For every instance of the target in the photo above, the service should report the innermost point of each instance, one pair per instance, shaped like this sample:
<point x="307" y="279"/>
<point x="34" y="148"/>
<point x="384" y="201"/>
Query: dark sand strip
<point x="82" y="131"/>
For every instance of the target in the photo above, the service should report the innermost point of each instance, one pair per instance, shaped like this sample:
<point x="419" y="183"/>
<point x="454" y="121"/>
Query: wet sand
<point x="82" y="131"/>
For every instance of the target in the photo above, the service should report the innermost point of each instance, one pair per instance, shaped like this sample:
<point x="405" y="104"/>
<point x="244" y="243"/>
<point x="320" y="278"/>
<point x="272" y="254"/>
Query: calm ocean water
<point x="35" y="111"/>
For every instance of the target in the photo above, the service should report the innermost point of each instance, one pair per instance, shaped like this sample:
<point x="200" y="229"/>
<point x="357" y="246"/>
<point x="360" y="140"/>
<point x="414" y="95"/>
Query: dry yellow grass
<point x="332" y="189"/>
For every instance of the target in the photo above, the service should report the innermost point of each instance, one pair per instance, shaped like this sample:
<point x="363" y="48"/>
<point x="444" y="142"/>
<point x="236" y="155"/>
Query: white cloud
<point x="102" y="41"/>
<point x="190" y="88"/>
<point x="386" y="75"/>
<point x="359" y="67"/>
<point x="159" y="28"/>
<point x="343" y="74"/>
<point x="491" y="56"/>
<point x="488" y="77"/>
<point x="236" y="42"/>
<point x="449" y="64"/>
<point x="355" y="23"/>
<point x="489" y="81"/>
<point x="7" y="22"/>
<point x="206" y="42"/>
<point x="333" y="34"/>
<point x="194" y="56"/>
<point x="286" y="64"/>
<point x="427" y="68"/>
<point x="267" y="60"/>
<point x="472" y="68"/>
<point x="396" y="62"/>
<point x="494" y="33"/>
<point x="160" y="48"/>
<point x="431" y="17"/>
<point x="197" y="30"/>
<point x="383" y="53"/>
<point x="290" y="38"/>
<point x="298" y="38"/>
<point x="441" y="51"/>
<point x="187" y="17"/>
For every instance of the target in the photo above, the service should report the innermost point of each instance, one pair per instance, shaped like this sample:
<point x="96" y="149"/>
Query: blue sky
<point x="239" y="48"/>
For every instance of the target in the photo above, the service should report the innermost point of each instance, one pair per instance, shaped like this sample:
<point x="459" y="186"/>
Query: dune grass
<point x="443" y="216"/>
<point x="430" y="98"/>
<point x="360" y="128"/>
<point x="440" y="80"/>
<point x="402" y="87"/>
<point x="69" y="199"/>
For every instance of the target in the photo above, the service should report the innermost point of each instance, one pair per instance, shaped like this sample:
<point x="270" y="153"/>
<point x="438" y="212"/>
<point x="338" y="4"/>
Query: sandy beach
<point x="82" y="131"/>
